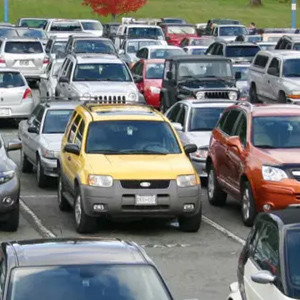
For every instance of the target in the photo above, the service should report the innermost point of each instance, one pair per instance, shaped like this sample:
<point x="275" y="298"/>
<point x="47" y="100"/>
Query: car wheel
<point x="12" y="223"/>
<point x="282" y="97"/>
<point x="40" y="176"/>
<point x="216" y="196"/>
<point x="248" y="206"/>
<point x="26" y="165"/>
<point x="84" y="223"/>
<point x="253" y="95"/>
<point x="190" y="224"/>
<point x="63" y="203"/>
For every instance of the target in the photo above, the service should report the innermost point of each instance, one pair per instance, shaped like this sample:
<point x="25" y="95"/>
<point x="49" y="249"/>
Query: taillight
<point x="2" y="60"/>
<point x="27" y="94"/>
<point x="46" y="61"/>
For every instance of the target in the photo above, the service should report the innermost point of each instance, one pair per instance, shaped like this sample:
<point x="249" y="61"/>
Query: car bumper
<point x="121" y="202"/>
<point x="49" y="166"/>
<point x="200" y="167"/>
<point x="234" y="292"/>
<point x="33" y="73"/>
<point x="19" y="111"/>
<point x="9" y="189"/>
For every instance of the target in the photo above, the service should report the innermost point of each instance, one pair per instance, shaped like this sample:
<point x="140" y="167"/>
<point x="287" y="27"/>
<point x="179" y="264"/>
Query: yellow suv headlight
<point x="186" y="180"/>
<point x="100" y="180"/>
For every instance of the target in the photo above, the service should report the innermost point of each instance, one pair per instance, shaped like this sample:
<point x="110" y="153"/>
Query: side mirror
<point x="63" y="80"/>
<point x="14" y="145"/>
<point x="235" y="142"/>
<point x="43" y="76"/>
<point x="263" y="277"/>
<point x="33" y="129"/>
<point x="169" y="75"/>
<point x="190" y="148"/>
<point x="72" y="148"/>
<point x="177" y="126"/>
<point x="238" y="76"/>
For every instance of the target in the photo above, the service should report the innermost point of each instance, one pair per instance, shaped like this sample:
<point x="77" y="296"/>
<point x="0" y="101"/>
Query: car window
<point x="94" y="46"/>
<point x="181" y="115"/>
<point x="138" y="69"/>
<point x="172" y="115"/>
<point x="241" y="129"/>
<point x="23" y="47"/>
<point x="3" y="268"/>
<point x="38" y="119"/>
<point x="274" y="67"/>
<point x="230" y="122"/>
<point x="11" y="80"/>
<point x="34" y="114"/>
<point x="74" y="128"/>
<point x="79" y="135"/>
<point x="261" y="61"/>
<point x="48" y="46"/>
<point x="65" y="68"/>
<point x="56" y="120"/>
<point x="155" y="70"/>
<point x="222" y="120"/>
<point x="69" y="71"/>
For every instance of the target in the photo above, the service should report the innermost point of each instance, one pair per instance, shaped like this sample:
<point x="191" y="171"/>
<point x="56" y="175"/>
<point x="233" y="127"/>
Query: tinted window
<point x="56" y="121"/>
<point x="94" y="46"/>
<point x="232" y="31"/>
<point x="101" y="72"/>
<point x="155" y="71"/>
<point x="172" y="115"/>
<point x="2" y="274"/>
<point x="237" y="51"/>
<point x="79" y="135"/>
<point x="241" y="129"/>
<point x="23" y="47"/>
<point x="128" y="137"/>
<point x="58" y="46"/>
<point x="291" y="68"/>
<point x="230" y="121"/>
<point x="261" y="61"/>
<point x="204" y="119"/>
<point x="166" y="53"/>
<point x="274" y="67"/>
<point x="145" y="32"/>
<point x="91" y="25"/>
<point x="11" y="80"/>
<point x="202" y="42"/>
<point x="222" y="120"/>
<point x="8" y="33"/>
<point x="74" y="128"/>
<point x="65" y="27"/>
<point x="296" y="47"/>
<point x="34" y="23"/>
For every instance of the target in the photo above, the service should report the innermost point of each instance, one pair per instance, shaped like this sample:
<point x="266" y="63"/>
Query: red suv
<point x="254" y="155"/>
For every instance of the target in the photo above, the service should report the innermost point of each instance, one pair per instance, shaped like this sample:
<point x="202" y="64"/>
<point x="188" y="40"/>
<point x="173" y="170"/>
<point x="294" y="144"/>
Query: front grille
<point x="145" y="184"/>
<point x="216" y="95"/>
<point x="110" y="99"/>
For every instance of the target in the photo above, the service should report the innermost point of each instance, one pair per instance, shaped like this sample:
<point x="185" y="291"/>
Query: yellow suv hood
<point x="140" y="166"/>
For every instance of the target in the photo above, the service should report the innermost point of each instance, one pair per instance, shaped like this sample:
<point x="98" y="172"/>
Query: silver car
<point x="25" y="55"/>
<point x="55" y="47"/>
<point x="240" y="72"/>
<point x="194" y="122"/>
<point x="16" y="100"/>
<point x="48" y="80"/>
<point x="41" y="137"/>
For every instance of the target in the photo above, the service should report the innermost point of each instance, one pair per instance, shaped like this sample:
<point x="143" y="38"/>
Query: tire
<point x="216" y="196"/>
<point x="282" y="97"/>
<point x="190" y="224"/>
<point x="248" y="210"/>
<point x="26" y="165"/>
<point x="84" y="223"/>
<point x="40" y="176"/>
<point x="63" y="203"/>
<point x="12" y="224"/>
<point x="253" y="95"/>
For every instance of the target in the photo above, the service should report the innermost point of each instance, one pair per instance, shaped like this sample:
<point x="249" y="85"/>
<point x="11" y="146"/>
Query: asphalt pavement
<point x="195" y="265"/>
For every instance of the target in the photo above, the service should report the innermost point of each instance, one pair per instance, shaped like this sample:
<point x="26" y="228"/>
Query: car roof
<point x="9" y="70"/>
<point x="88" y="37"/>
<point x="241" y="65"/>
<point x="50" y="252"/>
<point x="294" y="38"/>
<point x="96" y="58"/>
<point x="61" y="104"/>
<point x="22" y="39"/>
<point x="196" y="47"/>
<point x="141" y="25"/>
<point x="198" y="57"/>
<point x="288" y="216"/>
<point x="230" y="25"/>
<point x="153" y="47"/>
<point x="153" y="61"/>
<point x="208" y="103"/>
<point x="284" y="54"/>
<point x="237" y="43"/>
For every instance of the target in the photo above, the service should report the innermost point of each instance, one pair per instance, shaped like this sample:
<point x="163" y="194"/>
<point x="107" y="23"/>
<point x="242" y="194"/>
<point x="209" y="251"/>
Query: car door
<point x="264" y="256"/>
<point x="137" y="72"/>
<point x="62" y="73"/>
<point x="43" y="86"/>
<point x="272" y="77"/>
<point x="181" y="119"/>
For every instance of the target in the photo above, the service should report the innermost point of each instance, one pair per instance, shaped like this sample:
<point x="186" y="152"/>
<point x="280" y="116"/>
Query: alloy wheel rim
<point x="211" y="184"/>
<point x="246" y="204"/>
<point x="78" y="210"/>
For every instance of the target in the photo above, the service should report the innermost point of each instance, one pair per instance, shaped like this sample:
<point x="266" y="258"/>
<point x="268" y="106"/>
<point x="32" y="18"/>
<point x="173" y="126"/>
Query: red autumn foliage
<point x="114" y="7"/>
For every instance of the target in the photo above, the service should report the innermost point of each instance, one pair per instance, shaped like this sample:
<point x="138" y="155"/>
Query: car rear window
<point x="65" y="27"/>
<point x="11" y="80"/>
<point x="166" y="53"/>
<point x="32" y="33"/>
<point x="91" y="25"/>
<point x="23" y="47"/>
<point x="94" y="46"/>
<point x="145" y="32"/>
<point x="59" y="46"/>
<point x="241" y="51"/>
<point x="202" y="42"/>
<point x="296" y="46"/>
<point x="198" y="51"/>
<point x="34" y="23"/>
<point x="56" y="121"/>
<point x="8" y="33"/>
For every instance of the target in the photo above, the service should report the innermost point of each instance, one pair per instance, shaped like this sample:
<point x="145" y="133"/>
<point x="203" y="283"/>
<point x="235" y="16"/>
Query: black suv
<point x="236" y="51"/>
<point x="288" y="42"/>
<point x="197" y="77"/>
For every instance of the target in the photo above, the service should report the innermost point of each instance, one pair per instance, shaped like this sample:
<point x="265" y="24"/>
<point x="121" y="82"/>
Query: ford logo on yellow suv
<point x="145" y="184"/>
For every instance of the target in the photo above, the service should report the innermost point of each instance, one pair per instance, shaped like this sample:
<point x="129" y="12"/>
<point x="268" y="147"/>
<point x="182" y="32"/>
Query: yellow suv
<point x="126" y="161"/>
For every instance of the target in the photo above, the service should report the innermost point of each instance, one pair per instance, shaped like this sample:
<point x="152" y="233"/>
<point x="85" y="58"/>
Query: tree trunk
<point x="114" y="17"/>
<point x="255" y="2"/>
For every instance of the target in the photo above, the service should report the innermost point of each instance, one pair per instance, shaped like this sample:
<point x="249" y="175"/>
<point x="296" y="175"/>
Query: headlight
<point x="154" y="90"/>
<point x="100" y="180"/>
<point x="6" y="176"/>
<point x="200" y="95"/>
<point x="132" y="97"/>
<point x="233" y="96"/>
<point x="200" y="154"/>
<point x="273" y="174"/>
<point x="50" y="153"/>
<point x="186" y="180"/>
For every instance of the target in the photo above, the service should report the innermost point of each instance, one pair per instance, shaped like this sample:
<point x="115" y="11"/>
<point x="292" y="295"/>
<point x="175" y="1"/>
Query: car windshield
<point x="58" y="46"/>
<point x="174" y="21"/>
<point x="93" y="282"/>
<point x="91" y="25"/>
<point x="204" y="69"/>
<point x="8" y="32"/>
<point x="165" y="53"/>
<point x="291" y="68"/>
<point x="56" y="120"/>
<point x="181" y="30"/>
<point x="131" y="137"/>
<point x="94" y="46"/>
<point x="232" y="31"/>
<point x="200" y="51"/>
<point x="23" y="47"/>
<point x="32" y="33"/>
<point x="11" y="80"/>
<point x="101" y="72"/>
<point x="66" y="27"/>
<point x="145" y="32"/>
<point x="135" y="46"/>
<point x="276" y="132"/>
<point x="244" y="70"/>
<point x="267" y="47"/>
<point x="155" y="70"/>
<point x="296" y="47"/>
<point x="34" y="23"/>
<point x="202" y="42"/>
<point x="241" y="51"/>
<point x="205" y="119"/>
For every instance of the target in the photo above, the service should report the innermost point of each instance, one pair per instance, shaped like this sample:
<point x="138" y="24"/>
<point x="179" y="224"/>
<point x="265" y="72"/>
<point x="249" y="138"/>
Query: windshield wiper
<point x="143" y="152"/>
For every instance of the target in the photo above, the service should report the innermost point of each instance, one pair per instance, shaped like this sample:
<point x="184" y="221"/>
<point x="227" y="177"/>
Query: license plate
<point x="145" y="200"/>
<point x="4" y="112"/>
<point x="24" y="62"/>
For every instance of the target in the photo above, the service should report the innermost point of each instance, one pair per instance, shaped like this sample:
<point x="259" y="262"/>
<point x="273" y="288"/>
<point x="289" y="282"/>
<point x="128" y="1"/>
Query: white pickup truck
<point x="274" y="76"/>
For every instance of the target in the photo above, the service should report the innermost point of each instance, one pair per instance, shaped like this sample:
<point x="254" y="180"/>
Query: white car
<point x="63" y="27"/>
<point x="195" y="50"/>
<point x="93" y="27"/>
<point x="16" y="100"/>
<point x="229" y="32"/>
<point x="159" y="52"/>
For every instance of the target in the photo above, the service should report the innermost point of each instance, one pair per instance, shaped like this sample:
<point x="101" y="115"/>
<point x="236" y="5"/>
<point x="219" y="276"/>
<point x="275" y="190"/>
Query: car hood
<point x="101" y="87"/>
<point x="207" y="84"/>
<point x="283" y="156"/>
<point x="141" y="166"/>
<point x="200" y="138"/>
<point x="52" y="141"/>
